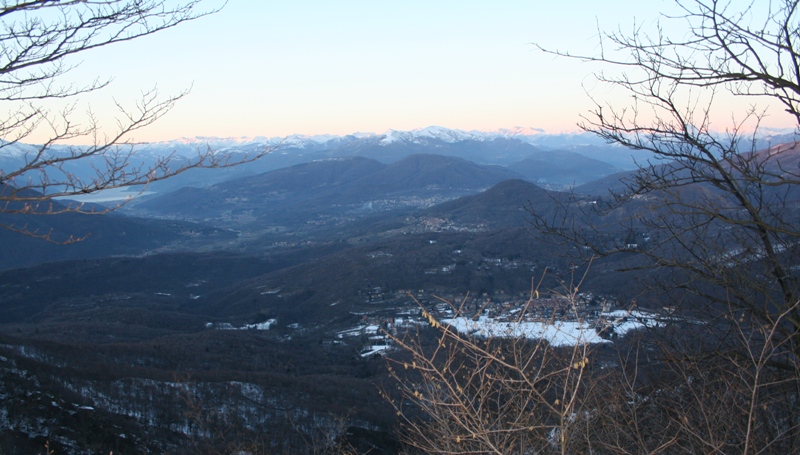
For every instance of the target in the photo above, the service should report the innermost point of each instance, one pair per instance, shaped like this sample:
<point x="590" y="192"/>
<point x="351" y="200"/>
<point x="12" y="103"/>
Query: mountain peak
<point x="431" y="132"/>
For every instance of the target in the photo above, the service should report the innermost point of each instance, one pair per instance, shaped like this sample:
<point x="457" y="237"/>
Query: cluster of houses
<point x="561" y="320"/>
<point x="598" y="313"/>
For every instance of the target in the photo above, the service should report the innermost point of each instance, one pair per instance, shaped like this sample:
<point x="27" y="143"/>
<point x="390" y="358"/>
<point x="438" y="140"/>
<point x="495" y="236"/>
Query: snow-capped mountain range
<point x="447" y="135"/>
<point x="529" y="135"/>
<point x="504" y="147"/>
<point x="533" y="136"/>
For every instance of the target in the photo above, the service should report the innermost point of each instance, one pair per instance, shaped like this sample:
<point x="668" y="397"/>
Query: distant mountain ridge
<point x="576" y="141"/>
<point x="504" y="205"/>
<point x="447" y="135"/>
<point x="331" y="186"/>
<point x="100" y="235"/>
<point x="534" y="136"/>
<point x="562" y="168"/>
<point x="537" y="155"/>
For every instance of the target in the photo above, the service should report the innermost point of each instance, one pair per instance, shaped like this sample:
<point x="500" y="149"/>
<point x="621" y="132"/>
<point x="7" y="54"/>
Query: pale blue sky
<point x="275" y="68"/>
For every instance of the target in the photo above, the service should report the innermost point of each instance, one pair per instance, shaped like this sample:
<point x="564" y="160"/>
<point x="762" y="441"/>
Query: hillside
<point x="561" y="167"/>
<point x="101" y="235"/>
<point x="271" y="322"/>
<point x="504" y="205"/>
<point x="285" y="324"/>
<point x="504" y="147"/>
<point x="327" y="192"/>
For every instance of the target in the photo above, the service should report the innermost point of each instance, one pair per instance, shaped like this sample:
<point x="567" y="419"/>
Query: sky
<point x="276" y="68"/>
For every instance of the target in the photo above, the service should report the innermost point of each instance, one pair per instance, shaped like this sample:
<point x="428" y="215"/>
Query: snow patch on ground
<point x="563" y="333"/>
<point x="372" y="350"/>
<point x="227" y="326"/>
<point x="567" y="333"/>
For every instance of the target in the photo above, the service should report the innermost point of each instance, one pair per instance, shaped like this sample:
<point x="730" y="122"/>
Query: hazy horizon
<point x="309" y="68"/>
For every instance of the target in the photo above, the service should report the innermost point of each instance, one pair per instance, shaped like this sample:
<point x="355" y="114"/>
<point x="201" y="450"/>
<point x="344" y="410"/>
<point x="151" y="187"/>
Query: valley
<point x="619" y="274"/>
<point x="255" y="312"/>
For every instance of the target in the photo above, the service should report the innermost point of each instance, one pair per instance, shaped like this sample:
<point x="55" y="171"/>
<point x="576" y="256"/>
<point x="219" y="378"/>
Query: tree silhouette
<point x="718" y="218"/>
<point x="38" y="38"/>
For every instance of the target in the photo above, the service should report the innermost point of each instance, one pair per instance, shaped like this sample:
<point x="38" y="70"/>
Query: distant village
<point x="560" y="320"/>
<point x="582" y="318"/>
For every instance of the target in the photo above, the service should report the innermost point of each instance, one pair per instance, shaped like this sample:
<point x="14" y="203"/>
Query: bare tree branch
<point x="36" y="39"/>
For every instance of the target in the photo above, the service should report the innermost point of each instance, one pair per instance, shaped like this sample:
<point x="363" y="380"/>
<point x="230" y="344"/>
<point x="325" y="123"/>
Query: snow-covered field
<point x="559" y="333"/>
<point x="227" y="326"/>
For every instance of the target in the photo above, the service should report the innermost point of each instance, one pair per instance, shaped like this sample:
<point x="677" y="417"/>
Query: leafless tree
<point x="718" y="229"/>
<point x="649" y="393"/>
<point x="38" y="42"/>
<point x="720" y="213"/>
<point x="479" y="394"/>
